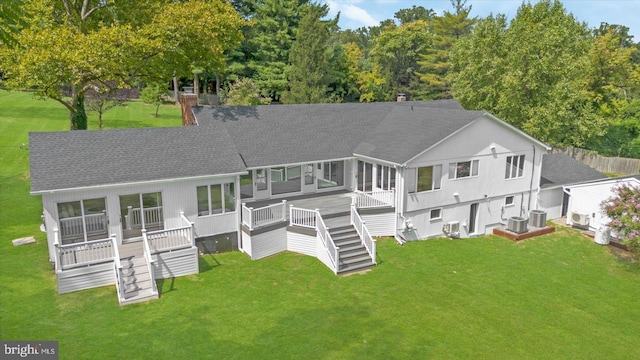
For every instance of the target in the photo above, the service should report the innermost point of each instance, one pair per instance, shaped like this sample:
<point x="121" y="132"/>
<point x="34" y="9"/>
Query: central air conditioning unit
<point x="537" y="218"/>
<point x="452" y="229"/>
<point x="517" y="224"/>
<point x="579" y="219"/>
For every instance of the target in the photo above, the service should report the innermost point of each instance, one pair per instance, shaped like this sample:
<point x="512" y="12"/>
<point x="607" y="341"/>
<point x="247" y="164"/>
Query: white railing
<point x="82" y="253"/>
<point x="147" y="256"/>
<point x="312" y="219"/>
<point x="117" y="267"/>
<point x="74" y="226"/>
<point x="172" y="239"/>
<point x="271" y="214"/>
<point x="303" y="217"/>
<point x="152" y="216"/>
<point x="367" y="240"/>
<point x="376" y="198"/>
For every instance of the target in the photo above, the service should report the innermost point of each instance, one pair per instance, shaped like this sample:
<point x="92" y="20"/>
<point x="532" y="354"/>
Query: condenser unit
<point x="579" y="219"/>
<point x="537" y="218"/>
<point x="451" y="229"/>
<point x="517" y="224"/>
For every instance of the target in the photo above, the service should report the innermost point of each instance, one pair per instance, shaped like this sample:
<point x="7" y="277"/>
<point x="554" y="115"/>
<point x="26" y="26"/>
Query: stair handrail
<point x="117" y="266"/>
<point x="56" y="251"/>
<point x="323" y="231"/>
<point x="365" y="236"/>
<point x="149" y="260"/>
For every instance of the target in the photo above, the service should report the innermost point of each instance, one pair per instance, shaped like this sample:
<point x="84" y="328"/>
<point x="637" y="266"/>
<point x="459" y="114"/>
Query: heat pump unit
<point x="579" y="219"/>
<point x="537" y="218"/>
<point x="451" y="229"/>
<point x="517" y="224"/>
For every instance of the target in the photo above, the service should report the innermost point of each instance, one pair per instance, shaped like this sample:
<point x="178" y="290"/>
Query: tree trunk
<point x="175" y="88"/>
<point x="100" y="119"/>
<point x="157" y="107"/>
<point x="217" y="84"/>
<point x="196" y="84"/>
<point x="78" y="116"/>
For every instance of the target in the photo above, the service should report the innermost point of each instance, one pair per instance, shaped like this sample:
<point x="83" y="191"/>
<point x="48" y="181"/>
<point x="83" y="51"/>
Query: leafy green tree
<point x="154" y="94"/>
<point x="311" y="69"/>
<point x="406" y="16"/>
<point x="435" y="62"/>
<point x="623" y="208"/>
<point x="530" y="74"/>
<point x="11" y="21"/>
<point x="367" y="77"/>
<point x="396" y="52"/>
<point x="98" y="44"/>
<point x="244" y="92"/>
<point x="103" y="102"/>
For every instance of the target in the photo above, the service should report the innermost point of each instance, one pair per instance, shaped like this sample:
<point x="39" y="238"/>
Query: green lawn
<point x="554" y="297"/>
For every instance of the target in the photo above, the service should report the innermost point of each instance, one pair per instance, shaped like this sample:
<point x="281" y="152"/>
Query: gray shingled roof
<point x="561" y="169"/>
<point x="274" y="135"/>
<point x="62" y="160"/>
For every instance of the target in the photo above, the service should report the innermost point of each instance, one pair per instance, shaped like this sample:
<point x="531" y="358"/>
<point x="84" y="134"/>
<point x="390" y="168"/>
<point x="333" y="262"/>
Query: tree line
<point x="544" y="71"/>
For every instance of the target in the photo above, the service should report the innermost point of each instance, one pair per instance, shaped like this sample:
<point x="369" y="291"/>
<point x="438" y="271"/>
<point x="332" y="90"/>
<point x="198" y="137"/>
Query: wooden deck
<point x="330" y="203"/>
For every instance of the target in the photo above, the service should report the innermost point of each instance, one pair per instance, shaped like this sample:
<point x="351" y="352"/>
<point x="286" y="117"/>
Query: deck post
<point x="290" y="214"/>
<point x="284" y="210"/>
<point x="56" y="245"/>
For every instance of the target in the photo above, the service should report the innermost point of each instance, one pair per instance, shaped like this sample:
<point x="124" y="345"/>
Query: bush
<point x="623" y="209"/>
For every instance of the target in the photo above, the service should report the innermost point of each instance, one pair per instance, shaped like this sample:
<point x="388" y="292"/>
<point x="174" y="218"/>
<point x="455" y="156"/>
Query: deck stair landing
<point x="352" y="255"/>
<point x="137" y="281"/>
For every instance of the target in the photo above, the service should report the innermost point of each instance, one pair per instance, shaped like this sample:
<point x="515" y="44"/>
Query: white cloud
<point x="353" y="13"/>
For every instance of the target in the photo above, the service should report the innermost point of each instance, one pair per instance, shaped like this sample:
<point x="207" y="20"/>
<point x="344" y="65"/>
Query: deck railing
<point x="267" y="215"/>
<point x="375" y="198"/>
<point x="147" y="256"/>
<point x="312" y="219"/>
<point x="172" y="239"/>
<point x="75" y="226"/>
<point x="367" y="240"/>
<point x="82" y="253"/>
<point x="152" y="216"/>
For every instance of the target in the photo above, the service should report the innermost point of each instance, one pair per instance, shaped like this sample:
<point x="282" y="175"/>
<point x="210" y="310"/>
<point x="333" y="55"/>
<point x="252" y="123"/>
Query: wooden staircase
<point x="137" y="283"/>
<point x="352" y="255"/>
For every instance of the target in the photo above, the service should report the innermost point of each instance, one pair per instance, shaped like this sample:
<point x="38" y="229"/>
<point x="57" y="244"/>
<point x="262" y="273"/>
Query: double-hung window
<point x="429" y="178"/>
<point x="515" y="167"/>
<point x="216" y="199"/>
<point x="463" y="169"/>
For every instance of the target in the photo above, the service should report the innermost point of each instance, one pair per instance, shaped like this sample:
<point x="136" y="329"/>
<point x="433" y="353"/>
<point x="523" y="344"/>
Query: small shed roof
<point x="560" y="169"/>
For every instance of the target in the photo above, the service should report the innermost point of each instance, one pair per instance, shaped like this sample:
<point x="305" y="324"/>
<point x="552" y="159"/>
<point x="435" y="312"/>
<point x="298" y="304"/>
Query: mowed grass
<point x="554" y="297"/>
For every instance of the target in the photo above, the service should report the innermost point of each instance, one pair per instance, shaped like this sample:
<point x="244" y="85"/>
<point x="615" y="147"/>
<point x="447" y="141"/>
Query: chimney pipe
<point x="187" y="102"/>
<point x="402" y="97"/>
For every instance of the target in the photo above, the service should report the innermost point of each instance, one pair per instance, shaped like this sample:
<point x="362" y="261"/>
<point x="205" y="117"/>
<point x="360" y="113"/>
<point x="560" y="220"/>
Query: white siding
<point x="267" y="244"/>
<point x="176" y="263"/>
<point x="323" y="255"/>
<point x="86" y="278"/>
<point x="177" y="196"/>
<point x="246" y="243"/>
<point x="380" y="224"/>
<point x="301" y="243"/>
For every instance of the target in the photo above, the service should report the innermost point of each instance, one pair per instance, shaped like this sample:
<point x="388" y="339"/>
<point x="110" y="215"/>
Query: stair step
<point x="347" y="241"/>
<point x="353" y="251"/>
<point x="137" y="286"/>
<point x="345" y="235"/>
<point x="141" y="296"/>
<point x="343" y="232"/>
<point x="353" y="267"/>
<point x="354" y="259"/>
<point x="137" y="270"/>
<point x="136" y="278"/>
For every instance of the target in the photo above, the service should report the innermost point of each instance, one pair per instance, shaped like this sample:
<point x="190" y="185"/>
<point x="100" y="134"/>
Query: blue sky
<point x="357" y="13"/>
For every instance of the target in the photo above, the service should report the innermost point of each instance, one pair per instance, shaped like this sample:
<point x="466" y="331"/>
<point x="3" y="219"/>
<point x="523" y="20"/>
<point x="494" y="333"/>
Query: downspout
<point x="533" y="171"/>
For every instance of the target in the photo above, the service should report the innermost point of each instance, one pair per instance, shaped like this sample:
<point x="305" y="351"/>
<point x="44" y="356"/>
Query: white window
<point x="515" y="167"/>
<point x="216" y="199"/>
<point x="429" y="178"/>
<point x="435" y="214"/>
<point x="463" y="169"/>
<point x="509" y="201"/>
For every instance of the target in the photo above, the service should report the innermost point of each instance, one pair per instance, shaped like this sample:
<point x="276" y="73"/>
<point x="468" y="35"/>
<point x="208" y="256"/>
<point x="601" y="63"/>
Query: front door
<point x="473" y="218"/>
<point x="262" y="184"/>
<point x="140" y="211"/>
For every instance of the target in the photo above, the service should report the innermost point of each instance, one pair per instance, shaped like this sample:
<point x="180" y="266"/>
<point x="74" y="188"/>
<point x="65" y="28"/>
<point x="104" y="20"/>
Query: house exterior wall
<point x="302" y="243"/>
<point x="586" y="199"/>
<point x="265" y="244"/>
<point x="177" y="196"/>
<point x="550" y="200"/>
<point x="490" y="143"/>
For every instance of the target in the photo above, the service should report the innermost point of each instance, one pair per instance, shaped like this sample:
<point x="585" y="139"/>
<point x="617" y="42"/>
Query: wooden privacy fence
<point x="616" y="165"/>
